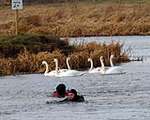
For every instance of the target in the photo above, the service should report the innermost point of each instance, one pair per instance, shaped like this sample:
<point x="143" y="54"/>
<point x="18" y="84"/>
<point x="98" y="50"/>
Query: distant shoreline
<point x="103" y="36"/>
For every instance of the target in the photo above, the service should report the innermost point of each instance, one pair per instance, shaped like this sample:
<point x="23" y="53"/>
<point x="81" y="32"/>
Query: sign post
<point x="17" y="5"/>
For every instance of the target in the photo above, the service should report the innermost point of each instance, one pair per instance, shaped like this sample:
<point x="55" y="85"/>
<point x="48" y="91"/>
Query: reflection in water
<point x="108" y="97"/>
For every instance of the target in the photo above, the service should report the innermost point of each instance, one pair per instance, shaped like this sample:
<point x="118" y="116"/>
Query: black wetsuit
<point x="76" y="99"/>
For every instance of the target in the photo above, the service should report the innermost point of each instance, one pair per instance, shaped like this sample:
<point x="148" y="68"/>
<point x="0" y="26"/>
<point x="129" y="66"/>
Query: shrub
<point x="11" y="46"/>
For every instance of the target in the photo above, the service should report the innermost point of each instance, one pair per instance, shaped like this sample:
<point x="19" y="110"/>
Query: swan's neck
<point x="56" y="66"/>
<point x="91" y="65"/>
<point x="46" y="71"/>
<point x="102" y="64"/>
<point x="111" y="62"/>
<point x="67" y="62"/>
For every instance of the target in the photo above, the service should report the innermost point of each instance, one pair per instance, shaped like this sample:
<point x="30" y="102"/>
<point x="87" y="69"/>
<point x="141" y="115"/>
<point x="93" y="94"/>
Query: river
<point x="108" y="97"/>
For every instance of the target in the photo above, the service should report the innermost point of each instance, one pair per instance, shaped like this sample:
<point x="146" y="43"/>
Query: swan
<point x="67" y="62"/>
<point x="111" y="60"/>
<point x="92" y="69"/>
<point x="46" y="73"/>
<point x="111" y="70"/>
<point x="53" y="72"/>
<point x="67" y="72"/>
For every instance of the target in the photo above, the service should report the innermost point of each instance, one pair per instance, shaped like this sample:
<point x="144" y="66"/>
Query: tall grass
<point x="80" y="19"/>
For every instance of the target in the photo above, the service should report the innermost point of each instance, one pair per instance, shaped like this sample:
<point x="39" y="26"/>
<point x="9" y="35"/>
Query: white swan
<point x="92" y="69"/>
<point x="67" y="72"/>
<point x="111" y="60"/>
<point x="111" y="70"/>
<point x="67" y="63"/>
<point x="53" y="72"/>
<point x="46" y="73"/>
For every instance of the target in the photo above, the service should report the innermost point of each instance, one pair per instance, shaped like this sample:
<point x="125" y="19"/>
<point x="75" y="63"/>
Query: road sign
<point x="17" y="4"/>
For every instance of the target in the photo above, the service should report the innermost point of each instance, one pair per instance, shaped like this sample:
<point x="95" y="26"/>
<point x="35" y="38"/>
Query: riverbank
<point x="79" y="19"/>
<point x="25" y="53"/>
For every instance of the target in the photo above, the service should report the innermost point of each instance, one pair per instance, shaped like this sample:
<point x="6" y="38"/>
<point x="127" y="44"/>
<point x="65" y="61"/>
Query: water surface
<point x="108" y="97"/>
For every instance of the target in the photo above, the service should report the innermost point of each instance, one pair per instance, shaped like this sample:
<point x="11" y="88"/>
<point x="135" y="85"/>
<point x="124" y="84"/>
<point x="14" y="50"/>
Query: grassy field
<point x="80" y="19"/>
<point x="7" y="2"/>
<point x="123" y="1"/>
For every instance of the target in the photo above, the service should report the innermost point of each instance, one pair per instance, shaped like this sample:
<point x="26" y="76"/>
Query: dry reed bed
<point x="80" y="19"/>
<point x="27" y="62"/>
